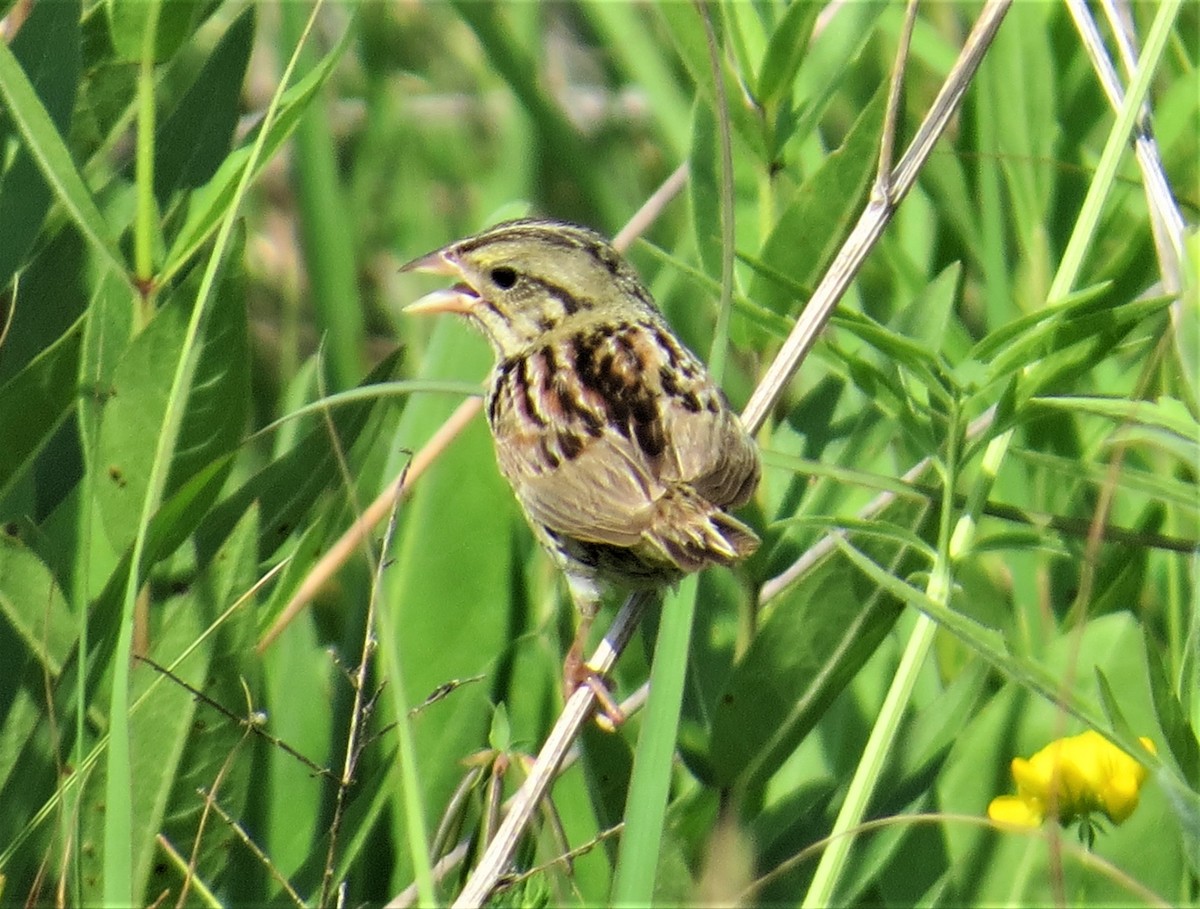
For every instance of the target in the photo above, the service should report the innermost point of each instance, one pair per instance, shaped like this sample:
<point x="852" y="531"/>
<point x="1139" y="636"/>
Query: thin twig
<point x="255" y="850"/>
<point x="358" y="709"/>
<point x="862" y="238"/>
<point x="253" y="722"/>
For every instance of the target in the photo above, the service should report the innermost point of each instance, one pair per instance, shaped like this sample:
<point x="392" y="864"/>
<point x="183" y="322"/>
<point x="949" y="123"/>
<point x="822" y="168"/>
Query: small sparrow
<point x="623" y="454"/>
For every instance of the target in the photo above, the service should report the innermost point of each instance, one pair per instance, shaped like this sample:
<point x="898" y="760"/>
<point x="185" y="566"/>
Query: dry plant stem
<point x="1166" y="220"/>
<point x="358" y="710"/>
<point x="447" y="863"/>
<point x="352" y="539"/>
<point x="576" y="712"/>
<point x="885" y="196"/>
<point x="644" y="217"/>
<point x="865" y="233"/>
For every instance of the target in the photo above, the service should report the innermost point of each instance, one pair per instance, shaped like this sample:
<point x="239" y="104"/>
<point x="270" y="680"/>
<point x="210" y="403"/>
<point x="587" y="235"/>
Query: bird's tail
<point x="692" y="533"/>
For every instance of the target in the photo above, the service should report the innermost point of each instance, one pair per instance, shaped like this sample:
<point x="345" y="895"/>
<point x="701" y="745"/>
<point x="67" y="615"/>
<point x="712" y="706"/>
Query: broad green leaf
<point x="134" y="404"/>
<point x="47" y="48"/>
<point x="218" y="403"/>
<point x="132" y="416"/>
<point x="785" y="51"/>
<point x="33" y="605"/>
<point x="35" y="401"/>
<point x="108" y="330"/>
<point x="288" y="488"/>
<point x="687" y="32"/>
<point x="194" y="139"/>
<point x="46" y="145"/>
<point x="813" y="642"/>
<point x="809" y="232"/>
<point x="208" y="205"/>
<point x="930" y="316"/>
<point x="177" y="20"/>
<point x="704" y="188"/>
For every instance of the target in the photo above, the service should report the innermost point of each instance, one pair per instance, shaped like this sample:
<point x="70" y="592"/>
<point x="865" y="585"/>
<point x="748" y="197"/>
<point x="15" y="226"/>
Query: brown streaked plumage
<point x="623" y="454"/>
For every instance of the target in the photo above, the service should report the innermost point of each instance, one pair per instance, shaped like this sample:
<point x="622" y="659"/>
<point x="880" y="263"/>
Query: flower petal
<point x="1015" y="811"/>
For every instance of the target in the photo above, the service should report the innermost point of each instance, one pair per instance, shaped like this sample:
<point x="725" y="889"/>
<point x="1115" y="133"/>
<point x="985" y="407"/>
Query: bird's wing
<point x="592" y="428"/>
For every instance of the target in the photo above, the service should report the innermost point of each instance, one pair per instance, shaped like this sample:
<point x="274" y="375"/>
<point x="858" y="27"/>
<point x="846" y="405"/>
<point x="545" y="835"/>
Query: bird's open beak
<point x="460" y="298"/>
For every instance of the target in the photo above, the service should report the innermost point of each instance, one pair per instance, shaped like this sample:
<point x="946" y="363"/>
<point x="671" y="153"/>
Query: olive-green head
<point x="521" y="280"/>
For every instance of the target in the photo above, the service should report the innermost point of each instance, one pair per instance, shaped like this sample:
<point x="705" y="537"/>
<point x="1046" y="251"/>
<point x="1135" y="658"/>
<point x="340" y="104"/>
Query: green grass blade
<point x="645" y="807"/>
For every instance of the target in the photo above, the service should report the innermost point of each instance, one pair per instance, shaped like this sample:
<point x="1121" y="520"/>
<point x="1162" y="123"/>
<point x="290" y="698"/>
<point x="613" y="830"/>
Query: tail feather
<point x="692" y="533"/>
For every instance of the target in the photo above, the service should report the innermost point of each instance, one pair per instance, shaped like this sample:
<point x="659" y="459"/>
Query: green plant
<point x="190" y="418"/>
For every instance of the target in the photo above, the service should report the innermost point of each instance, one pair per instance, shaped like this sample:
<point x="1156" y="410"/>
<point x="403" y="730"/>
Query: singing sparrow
<point x="623" y="454"/>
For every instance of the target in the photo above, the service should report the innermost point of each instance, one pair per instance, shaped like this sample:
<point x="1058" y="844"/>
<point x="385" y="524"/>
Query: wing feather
<point x="593" y="429"/>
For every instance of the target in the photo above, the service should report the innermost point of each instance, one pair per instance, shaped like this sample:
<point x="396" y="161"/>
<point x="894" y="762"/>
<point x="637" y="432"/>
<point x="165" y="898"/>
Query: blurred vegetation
<point x="205" y="377"/>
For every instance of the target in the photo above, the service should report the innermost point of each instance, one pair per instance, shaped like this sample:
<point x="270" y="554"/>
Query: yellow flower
<point x="1071" y="778"/>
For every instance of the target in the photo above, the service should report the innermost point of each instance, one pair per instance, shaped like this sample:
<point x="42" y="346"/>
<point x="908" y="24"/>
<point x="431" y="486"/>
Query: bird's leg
<point x="576" y="670"/>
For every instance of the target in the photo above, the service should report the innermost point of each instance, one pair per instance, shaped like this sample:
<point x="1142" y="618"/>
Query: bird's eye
<point x="504" y="277"/>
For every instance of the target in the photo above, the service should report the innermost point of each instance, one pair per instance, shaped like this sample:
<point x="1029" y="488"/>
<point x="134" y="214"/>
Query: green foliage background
<point x="204" y="378"/>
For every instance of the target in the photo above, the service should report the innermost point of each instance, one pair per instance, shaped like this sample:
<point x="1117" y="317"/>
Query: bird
<point x="624" y="455"/>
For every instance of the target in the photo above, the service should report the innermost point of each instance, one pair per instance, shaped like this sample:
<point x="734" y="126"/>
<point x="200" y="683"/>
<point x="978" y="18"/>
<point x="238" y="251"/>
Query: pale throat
<point x="513" y="330"/>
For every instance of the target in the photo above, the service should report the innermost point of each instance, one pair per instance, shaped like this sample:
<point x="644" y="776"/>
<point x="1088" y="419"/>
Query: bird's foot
<point x="578" y="674"/>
